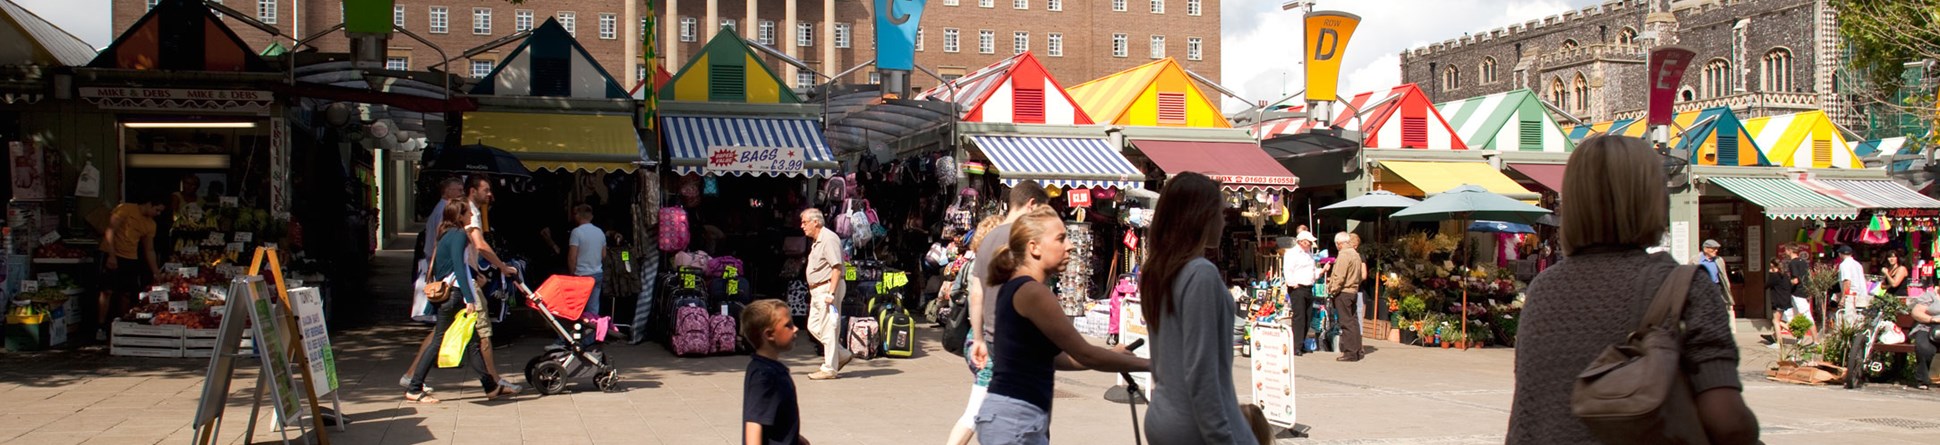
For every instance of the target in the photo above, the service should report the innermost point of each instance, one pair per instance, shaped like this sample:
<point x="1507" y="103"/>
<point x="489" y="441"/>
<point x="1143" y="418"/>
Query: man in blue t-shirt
<point x="586" y="248"/>
<point x="1711" y="263"/>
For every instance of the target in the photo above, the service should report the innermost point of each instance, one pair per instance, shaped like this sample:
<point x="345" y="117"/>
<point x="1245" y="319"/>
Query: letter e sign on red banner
<point x="1079" y="197"/>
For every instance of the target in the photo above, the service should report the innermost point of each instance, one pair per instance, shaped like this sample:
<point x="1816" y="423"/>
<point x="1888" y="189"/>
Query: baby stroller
<point x="564" y="297"/>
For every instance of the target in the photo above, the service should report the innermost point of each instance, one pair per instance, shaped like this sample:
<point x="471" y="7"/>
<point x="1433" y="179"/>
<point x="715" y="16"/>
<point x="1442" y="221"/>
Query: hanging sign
<point x="316" y="339"/>
<point x="1326" y="44"/>
<point x="28" y="170"/>
<point x="1078" y="197"/>
<point x="1131" y="239"/>
<point x="896" y="27"/>
<point x="759" y="160"/>
<point x="176" y="99"/>
<point x="1667" y="65"/>
<point x="279" y="170"/>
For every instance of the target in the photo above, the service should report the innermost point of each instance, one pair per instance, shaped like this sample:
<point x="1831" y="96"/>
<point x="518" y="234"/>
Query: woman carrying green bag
<point x="448" y="264"/>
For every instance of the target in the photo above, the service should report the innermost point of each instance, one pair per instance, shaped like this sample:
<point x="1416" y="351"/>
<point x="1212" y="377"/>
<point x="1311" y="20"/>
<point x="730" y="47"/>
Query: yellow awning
<point x="550" y="141"/>
<point x="1427" y="178"/>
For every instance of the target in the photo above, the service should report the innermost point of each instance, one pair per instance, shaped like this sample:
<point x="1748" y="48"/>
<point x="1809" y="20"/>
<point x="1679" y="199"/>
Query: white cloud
<point x="1261" y="48"/>
<point x="87" y="19"/>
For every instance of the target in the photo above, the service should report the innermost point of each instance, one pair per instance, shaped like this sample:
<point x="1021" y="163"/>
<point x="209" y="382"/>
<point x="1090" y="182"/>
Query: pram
<point x="564" y="297"/>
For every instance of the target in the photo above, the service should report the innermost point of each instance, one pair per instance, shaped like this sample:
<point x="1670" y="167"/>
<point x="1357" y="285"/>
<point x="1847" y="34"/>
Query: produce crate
<point x="133" y="351"/>
<point x="1377" y="329"/>
<point x="140" y="340"/>
<point x="143" y="330"/>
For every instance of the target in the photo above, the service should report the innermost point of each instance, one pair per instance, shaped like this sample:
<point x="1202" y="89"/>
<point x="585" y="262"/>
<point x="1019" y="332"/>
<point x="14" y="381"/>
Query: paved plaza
<point x="1400" y="395"/>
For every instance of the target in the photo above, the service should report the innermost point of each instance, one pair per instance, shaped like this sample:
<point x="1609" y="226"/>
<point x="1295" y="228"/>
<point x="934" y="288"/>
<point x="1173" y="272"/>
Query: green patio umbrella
<point x="1370" y="206"/>
<point x="1470" y="203"/>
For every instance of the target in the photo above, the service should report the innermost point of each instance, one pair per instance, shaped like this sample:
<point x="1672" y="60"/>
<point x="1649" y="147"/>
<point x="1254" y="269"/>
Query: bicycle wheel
<point x="1855" y="360"/>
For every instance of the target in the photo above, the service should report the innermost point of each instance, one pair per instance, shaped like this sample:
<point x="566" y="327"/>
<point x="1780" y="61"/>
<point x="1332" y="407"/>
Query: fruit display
<point x="59" y="250"/>
<point x="51" y="296"/>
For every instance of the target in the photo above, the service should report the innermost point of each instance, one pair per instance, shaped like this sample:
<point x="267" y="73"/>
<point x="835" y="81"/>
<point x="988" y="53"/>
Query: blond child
<point x="769" y="411"/>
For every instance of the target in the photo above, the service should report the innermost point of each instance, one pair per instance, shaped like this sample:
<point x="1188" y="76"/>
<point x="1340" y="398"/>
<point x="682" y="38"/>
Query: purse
<point x="1637" y="392"/>
<point x="435" y="291"/>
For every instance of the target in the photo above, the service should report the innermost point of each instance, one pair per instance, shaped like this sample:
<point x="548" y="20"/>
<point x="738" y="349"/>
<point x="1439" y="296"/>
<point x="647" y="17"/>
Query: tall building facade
<point x="609" y="29"/>
<point x="1758" y="57"/>
<point x="1077" y="40"/>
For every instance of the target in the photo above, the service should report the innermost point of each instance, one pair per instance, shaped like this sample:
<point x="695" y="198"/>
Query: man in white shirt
<point x="587" y="251"/>
<point x="1298" y="273"/>
<point x="1852" y="280"/>
<point x="825" y="290"/>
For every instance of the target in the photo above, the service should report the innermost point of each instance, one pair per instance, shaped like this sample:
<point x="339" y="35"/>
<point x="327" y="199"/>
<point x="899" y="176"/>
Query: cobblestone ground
<point x="1400" y="395"/>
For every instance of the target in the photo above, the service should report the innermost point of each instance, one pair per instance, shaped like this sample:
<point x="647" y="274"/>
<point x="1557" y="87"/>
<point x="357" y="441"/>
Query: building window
<point x="1488" y="70"/>
<point x="1120" y="45"/>
<point x="919" y="38"/>
<point x="397" y="63"/>
<point x="1192" y="8"/>
<point x="1158" y="47"/>
<point x="266" y="11"/>
<point x="875" y="78"/>
<point x="569" y="20"/>
<point x="841" y="35"/>
<point x="1777" y="72"/>
<point x="522" y="20"/>
<point x="986" y="42"/>
<point x="1580" y="88"/>
<point x="1558" y="95"/>
<point x="609" y="26"/>
<point x="1054" y="5"/>
<point x="1717" y="78"/>
<point x="1628" y="36"/>
<point x="986" y="3"/>
<point x="1158" y="6"/>
<point x="765" y="32"/>
<point x="689" y="29"/>
<point x="1054" y="44"/>
<point x="727" y="24"/>
<point x="1118" y="5"/>
<point x="1020" y="4"/>
<point x="805" y="34"/>
<point x="397" y="16"/>
<point x="640" y="72"/>
<point x="1020" y="42"/>
<point x="440" y="20"/>
<point x="152" y="3"/>
<point x="481" y="68"/>
<point x="1194" y="48"/>
<point x="1451" y="78"/>
<point x="804" y="79"/>
<point x="945" y="2"/>
<point x="950" y="40"/>
<point x="482" y="21"/>
<point x="1569" y="44"/>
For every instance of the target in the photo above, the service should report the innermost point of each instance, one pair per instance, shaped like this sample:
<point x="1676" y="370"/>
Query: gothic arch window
<point x="1558" y="94"/>
<point x="1628" y="36"/>
<point x="1717" y="78"/>
<point x="1687" y="94"/>
<point x="1451" y="78"/>
<point x="1569" y="44"/>
<point x="1488" y="70"/>
<point x="1580" y="90"/>
<point x="1775" y="72"/>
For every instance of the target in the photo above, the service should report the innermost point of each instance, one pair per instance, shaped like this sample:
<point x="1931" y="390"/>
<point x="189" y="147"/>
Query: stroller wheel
<point x="548" y="376"/>
<point x="608" y="381"/>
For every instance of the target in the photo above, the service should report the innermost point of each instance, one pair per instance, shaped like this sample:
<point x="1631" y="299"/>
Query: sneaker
<point x="822" y="375"/>
<point x="508" y="387"/>
<point x="1771" y="346"/>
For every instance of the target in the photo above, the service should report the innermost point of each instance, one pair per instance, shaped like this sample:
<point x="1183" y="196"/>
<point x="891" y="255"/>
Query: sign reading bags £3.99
<point x="757" y="160"/>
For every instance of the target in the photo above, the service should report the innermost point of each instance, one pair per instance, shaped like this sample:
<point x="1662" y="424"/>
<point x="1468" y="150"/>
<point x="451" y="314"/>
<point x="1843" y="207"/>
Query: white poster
<point x="760" y="160"/>
<point x="89" y="184"/>
<point x="1754" y="248"/>
<point x="1681" y="241"/>
<point x="1131" y="328"/>
<point x="1273" y="377"/>
<point x="316" y="339"/>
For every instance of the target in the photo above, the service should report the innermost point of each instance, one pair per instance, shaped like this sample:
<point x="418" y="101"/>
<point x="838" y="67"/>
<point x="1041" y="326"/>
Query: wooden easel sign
<point x="280" y="345"/>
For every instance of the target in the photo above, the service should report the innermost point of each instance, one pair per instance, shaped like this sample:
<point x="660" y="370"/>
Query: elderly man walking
<point x="1344" y="284"/>
<point x="825" y="294"/>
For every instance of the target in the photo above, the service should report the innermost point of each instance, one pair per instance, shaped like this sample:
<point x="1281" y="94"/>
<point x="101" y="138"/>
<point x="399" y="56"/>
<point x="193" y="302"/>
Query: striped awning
<point x="690" y="138"/>
<point x="1878" y="194"/>
<point x="1061" y="162"/>
<point x="1785" y="198"/>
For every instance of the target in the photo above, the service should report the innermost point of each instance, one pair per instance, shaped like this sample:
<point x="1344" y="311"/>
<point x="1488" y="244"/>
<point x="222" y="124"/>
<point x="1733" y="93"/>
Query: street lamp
<point x="1290" y="5"/>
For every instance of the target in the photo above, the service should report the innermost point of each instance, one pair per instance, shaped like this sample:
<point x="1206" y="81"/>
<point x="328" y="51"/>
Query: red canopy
<point x="1549" y="175"/>
<point x="1238" y="165"/>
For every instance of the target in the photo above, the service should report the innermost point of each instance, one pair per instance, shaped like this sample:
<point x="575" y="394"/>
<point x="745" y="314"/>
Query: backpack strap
<point x="1667" y="308"/>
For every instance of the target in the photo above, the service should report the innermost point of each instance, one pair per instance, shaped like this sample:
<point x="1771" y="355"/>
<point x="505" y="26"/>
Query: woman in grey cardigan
<point x="1191" y="319"/>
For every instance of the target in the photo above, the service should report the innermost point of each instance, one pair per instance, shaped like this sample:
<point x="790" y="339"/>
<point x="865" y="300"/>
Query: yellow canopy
<point x="1422" y="178"/>
<point x="550" y="141"/>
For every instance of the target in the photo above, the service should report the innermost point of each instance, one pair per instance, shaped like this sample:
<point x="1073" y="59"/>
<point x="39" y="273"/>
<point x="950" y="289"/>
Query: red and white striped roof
<point x="1016" y="90"/>
<point x="1401" y="117"/>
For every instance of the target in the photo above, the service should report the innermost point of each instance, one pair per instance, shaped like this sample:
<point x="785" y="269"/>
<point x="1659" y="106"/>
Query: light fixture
<point x="190" y="124"/>
<point x="177" y="161"/>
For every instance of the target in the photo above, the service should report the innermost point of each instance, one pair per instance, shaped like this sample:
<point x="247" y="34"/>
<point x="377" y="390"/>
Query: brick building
<point x="607" y="28"/>
<point x="1759" y="57"/>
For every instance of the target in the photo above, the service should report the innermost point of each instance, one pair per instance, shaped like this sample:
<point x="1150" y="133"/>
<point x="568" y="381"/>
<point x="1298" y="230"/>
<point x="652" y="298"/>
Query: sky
<point x="1261" y="46"/>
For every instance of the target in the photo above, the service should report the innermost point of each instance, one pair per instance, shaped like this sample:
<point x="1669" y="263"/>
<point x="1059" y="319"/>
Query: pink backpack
<point x="724" y="338"/>
<point x="693" y="334"/>
<point x="673" y="229"/>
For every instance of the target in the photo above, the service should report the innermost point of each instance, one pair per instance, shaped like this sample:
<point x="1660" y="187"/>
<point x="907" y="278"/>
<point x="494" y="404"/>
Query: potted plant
<point x="1455" y="337"/>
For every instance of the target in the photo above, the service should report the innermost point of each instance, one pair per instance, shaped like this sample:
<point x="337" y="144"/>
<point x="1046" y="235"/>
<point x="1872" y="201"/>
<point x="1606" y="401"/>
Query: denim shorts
<point x="1003" y="420"/>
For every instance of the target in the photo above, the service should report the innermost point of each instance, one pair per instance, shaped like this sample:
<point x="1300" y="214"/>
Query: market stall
<point x="1712" y="136"/>
<point x="1509" y="121"/>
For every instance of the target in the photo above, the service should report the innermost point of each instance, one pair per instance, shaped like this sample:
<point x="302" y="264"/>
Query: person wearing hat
<point x="1852" y="279"/>
<point x="1297" y="273"/>
<point x="1711" y="262"/>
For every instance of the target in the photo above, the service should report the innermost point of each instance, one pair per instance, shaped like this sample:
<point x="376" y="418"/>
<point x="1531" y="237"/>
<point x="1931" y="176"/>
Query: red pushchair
<point x="564" y="298"/>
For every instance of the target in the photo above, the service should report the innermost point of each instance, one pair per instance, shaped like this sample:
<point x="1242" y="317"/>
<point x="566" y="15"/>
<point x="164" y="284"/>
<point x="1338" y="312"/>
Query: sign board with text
<point x="316" y="339"/>
<point x="757" y="160"/>
<point x="178" y="99"/>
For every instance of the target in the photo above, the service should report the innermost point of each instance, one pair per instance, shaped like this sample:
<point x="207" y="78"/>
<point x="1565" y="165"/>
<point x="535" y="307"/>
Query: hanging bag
<point x="1637" y="392"/>
<point x="451" y="352"/>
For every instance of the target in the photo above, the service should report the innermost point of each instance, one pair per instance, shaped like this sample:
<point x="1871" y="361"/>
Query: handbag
<point x="435" y="291"/>
<point x="1637" y="392"/>
<point x="451" y="352"/>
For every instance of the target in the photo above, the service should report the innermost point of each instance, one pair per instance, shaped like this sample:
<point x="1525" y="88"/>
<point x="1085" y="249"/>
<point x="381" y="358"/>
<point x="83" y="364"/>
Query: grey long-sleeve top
<point x="1193" y="400"/>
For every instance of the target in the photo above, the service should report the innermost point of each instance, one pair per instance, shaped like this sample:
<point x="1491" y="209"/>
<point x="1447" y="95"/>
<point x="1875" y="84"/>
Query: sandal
<point x="421" y="397"/>
<point x="501" y="393"/>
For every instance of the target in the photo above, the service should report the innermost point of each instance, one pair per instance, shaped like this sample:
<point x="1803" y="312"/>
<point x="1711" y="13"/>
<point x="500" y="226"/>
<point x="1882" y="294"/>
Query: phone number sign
<point x="755" y="159"/>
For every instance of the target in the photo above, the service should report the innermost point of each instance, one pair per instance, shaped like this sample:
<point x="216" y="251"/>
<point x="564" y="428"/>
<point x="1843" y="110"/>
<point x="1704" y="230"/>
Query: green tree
<point x="1883" y="36"/>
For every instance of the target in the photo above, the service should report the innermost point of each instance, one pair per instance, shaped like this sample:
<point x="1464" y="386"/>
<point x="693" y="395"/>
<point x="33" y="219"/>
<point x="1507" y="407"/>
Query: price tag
<point x="244" y="237"/>
<point x="50" y="237"/>
<point x="215" y="239"/>
<point x="191" y="250"/>
<point x="29" y="286"/>
<point x="199" y="289"/>
<point x="234" y="248"/>
<point x="189" y="272"/>
<point x="171" y="266"/>
<point x="216" y="311"/>
<point x="626" y="256"/>
<point x="178" y="306"/>
<point x="227" y="201"/>
<point x="157" y="296"/>
<point x="48" y="277"/>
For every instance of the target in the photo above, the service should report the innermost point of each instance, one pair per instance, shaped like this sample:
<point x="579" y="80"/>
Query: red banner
<point x="1078" y="197"/>
<point x="1667" y="65"/>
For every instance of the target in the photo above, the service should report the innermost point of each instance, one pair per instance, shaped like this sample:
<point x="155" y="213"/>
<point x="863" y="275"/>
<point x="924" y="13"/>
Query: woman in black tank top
<point x="1035" y="338"/>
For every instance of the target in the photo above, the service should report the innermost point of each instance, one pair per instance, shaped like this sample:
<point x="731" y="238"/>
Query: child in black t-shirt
<point x="769" y="411"/>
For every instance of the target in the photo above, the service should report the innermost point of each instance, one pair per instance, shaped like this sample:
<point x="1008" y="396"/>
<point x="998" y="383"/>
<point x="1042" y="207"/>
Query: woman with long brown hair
<point x="449" y="265"/>
<point x="1036" y="338"/>
<point x="1190" y="315"/>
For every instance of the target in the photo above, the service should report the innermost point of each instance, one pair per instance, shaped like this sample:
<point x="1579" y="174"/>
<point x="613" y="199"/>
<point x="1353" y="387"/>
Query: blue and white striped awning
<point x="690" y="137"/>
<point x="1058" y="161"/>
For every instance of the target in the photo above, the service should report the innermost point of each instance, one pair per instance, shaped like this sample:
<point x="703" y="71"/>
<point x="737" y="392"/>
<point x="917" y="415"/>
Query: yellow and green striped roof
<point x="1508" y="121"/>
<point x="726" y="70"/>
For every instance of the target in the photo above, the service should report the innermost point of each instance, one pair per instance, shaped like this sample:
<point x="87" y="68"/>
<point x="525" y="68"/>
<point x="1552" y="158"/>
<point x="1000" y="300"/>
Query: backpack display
<point x="863" y="337"/>
<point x="673" y="229"/>
<point x="899" y="334"/>
<point x="693" y="332"/>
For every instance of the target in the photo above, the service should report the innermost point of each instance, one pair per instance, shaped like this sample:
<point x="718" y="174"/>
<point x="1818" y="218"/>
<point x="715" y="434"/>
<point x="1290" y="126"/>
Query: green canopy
<point x="1370" y="206"/>
<point x="1470" y="202"/>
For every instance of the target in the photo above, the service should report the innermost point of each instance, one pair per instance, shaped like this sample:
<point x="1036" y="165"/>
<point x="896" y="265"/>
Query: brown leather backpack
<point x="1637" y="392"/>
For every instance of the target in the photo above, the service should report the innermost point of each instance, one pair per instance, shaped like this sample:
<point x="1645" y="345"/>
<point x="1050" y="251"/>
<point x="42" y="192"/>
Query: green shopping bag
<point x="452" y="352"/>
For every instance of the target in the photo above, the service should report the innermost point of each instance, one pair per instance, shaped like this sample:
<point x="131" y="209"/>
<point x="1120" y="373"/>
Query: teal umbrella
<point x="1469" y="202"/>
<point x="1370" y="206"/>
